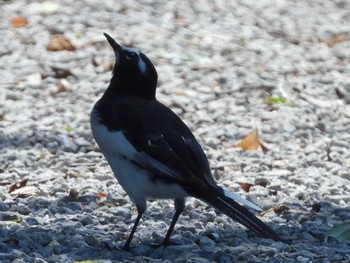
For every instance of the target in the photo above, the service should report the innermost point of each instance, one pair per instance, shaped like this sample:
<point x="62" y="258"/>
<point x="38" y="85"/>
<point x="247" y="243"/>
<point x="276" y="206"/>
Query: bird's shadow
<point x="53" y="236"/>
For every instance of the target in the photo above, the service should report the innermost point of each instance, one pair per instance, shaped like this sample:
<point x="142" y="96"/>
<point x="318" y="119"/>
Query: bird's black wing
<point x="176" y="158"/>
<point x="165" y="145"/>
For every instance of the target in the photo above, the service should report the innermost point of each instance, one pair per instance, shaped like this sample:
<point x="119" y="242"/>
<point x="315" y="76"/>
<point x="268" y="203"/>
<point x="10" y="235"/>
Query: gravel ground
<point x="219" y="62"/>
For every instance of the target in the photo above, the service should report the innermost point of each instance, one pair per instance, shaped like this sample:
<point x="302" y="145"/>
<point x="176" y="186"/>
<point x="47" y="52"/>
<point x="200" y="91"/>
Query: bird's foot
<point x="126" y="247"/>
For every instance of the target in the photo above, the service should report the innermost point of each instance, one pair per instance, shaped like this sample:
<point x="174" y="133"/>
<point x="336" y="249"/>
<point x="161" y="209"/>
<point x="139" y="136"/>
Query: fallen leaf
<point x="59" y="43"/>
<point x="251" y="142"/>
<point x="16" y="220"/>
<point x="277" y="210"/>
<point x="337" y="39"/>
<point x="101" y="195"/>
<point x="340" y="232"/>
<point x="61" y="73"/>
<point x="261" y="183"/>
<point x="19" y="22"/>
<point x="245" y="186"/>
<point x="19" y="185"/>
<point x="263" y="148"/>
<point x="3" y="183"/>
<point x="275" y="100"/>
<point x="69" y="129"/>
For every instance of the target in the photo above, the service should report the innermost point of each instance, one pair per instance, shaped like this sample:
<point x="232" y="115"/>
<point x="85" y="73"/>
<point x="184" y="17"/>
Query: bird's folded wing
<point x="156" y="167"/>
<point x="161" y="157"/>
<point x="162" y="160"/>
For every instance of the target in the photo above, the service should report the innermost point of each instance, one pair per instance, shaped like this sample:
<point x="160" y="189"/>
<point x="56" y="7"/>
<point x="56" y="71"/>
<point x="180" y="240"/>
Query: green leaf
<point x="16" y="220"/>
<point x="275" y="100"/>
<point x="340" y="232"/>
<point x="68" y="129"/>
<point x="12" y="218"/>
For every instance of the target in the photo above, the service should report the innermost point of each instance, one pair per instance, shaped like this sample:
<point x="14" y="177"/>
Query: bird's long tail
<point x="221" y="200"/>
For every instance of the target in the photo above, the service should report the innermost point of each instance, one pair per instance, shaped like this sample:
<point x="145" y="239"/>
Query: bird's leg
<point x="179" y="207"/>
<point x="140" y="211"/>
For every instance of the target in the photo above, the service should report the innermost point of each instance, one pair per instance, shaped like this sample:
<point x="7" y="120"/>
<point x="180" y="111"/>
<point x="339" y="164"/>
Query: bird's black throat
<point x="132" y="86"/>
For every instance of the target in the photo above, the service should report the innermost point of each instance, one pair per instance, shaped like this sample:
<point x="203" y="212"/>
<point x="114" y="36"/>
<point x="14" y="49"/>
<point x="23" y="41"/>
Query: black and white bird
<point x="152" y="153"/>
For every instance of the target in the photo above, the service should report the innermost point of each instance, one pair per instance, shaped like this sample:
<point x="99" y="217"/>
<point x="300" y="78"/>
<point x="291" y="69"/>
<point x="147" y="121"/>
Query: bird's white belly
<point x="138" y="184"/>
<point x="135" y="180"/>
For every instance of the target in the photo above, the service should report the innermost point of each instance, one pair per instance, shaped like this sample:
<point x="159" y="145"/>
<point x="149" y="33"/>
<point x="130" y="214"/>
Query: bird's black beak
<point x="116" y="47"/>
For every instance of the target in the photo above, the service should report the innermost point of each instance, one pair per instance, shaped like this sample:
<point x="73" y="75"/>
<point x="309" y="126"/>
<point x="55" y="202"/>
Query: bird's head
<point x="134" y="74"/>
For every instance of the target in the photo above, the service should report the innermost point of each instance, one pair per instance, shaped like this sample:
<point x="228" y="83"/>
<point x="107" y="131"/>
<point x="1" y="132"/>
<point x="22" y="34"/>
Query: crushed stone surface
<point x="227" y="68"/>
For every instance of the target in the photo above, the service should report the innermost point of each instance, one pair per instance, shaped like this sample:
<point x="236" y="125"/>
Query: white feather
<point x="142" y="66"/>
<point x="241" y="200"/>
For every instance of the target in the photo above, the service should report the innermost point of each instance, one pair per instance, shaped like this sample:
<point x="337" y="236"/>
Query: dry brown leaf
<point x="19" y="185"/>
<point x="263" y="148"/>
<point x="101" y="195"/>
<point x="337" y="39"/>
<point x="277" y="210"/>
<point x="250" y="142"/>
<point x="245" y="186"/>
<point x="19" y="22"/>
<point x="59" y="43"/>
<point x="61" y="73"/>
<point x="261" y="182"/>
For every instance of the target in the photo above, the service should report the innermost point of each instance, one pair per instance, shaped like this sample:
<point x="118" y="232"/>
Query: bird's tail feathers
<point x="227" y="203"/>
<point x="241" y="200"/>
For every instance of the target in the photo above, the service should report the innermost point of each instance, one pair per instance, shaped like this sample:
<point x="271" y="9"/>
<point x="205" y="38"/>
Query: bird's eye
<point x="130" y="55"/>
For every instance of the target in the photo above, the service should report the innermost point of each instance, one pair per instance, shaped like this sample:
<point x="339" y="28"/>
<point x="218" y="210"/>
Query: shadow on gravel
<point x="59" y="230"/>
<point x="51" y="140"/>
<point x="78" y="228"/>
